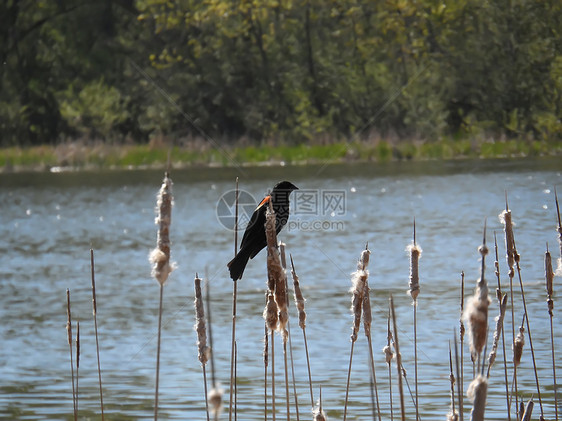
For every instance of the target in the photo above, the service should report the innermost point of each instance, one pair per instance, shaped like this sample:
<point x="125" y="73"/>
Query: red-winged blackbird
<point x="254" y="239"/>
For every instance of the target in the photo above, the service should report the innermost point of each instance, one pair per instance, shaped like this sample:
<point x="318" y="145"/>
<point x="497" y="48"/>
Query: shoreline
<point x="95" y="156"/>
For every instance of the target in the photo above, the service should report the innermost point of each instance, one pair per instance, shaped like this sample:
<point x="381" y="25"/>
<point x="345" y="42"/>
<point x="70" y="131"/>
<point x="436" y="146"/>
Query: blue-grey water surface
<point x="50" y="221"/>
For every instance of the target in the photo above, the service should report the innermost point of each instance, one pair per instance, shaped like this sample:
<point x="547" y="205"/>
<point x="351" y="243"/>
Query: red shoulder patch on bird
<point x="265" y="200"/>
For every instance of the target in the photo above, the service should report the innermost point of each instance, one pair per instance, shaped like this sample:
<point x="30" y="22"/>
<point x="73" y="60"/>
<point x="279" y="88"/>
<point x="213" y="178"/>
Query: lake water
<point x="50" y="221"/>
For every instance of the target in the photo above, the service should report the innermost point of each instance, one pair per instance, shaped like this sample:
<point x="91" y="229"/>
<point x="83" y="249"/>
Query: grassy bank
<point x="97" y="155"/>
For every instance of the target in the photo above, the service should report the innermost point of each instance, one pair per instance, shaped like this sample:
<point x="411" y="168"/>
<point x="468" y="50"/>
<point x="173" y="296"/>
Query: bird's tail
<point x="237" y="265"/>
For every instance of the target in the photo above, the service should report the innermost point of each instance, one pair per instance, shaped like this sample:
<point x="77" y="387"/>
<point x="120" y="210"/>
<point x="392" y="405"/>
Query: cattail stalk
<point x="367" y="321"/>
<point x="77" y="361"/>
<point x="504" y="355"/>
<point x="299" y="302"/>
<point x="559" y="229"/>
<point x="160" y="259"/>
<point x="398" y="360"/>
<point x="477" y="310"/>
<point x="265" y="364"/>
<point x="549" y="276"/>
<point x="200" y="328"/>
<point x="69" y="340"/>
<point x="215" y="394"/>
<point x="388" y="356"/>
<point x="234" y="299"/>
<point x="477" y="393"/>
<point x="461" y="340"/>
<point x="505" y="219"/>
<point x="94" y="310"/>
<point x="318" y="413"/>
<point x="271" y="317"/>
<point x="358" y="280"/>
<point x="277" y="278"/>
<point x="415" y="252"/>
<point x="452" y="416"/>
<point x="517" y="258"/>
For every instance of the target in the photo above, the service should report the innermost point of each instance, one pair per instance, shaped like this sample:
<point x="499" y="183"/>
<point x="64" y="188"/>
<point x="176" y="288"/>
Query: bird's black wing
<point x="256" y="219"/>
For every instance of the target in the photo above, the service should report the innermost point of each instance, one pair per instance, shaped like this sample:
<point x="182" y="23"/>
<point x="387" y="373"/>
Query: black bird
<point x="254" y="239"/>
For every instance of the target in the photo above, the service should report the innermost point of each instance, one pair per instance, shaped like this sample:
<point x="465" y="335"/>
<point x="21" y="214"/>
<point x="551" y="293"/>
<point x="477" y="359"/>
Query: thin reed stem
<point x="77" y="362"/>
<point x="161" y="265"/>
<point x="234" y="297"/>
<point x="505" y="218"/>
<point x="94" y="310"/>
<point x="453" y="414"/>
<point x="69" y="340"/>
<point x="265" y="365"/>
<point x="398" y="360"/>
<point x="388" y="355"/>
<point x="287" y="399"/>
<point x="273" y="374"/>
<point x="504" y="355"/>
<point x="529" y="333"/>
<point x="549" y="277"/>
<point x="158" y="352"/>
<point x="348" y="380"/>
<point x="461" y="341"/>
<point x="415" y="254"/>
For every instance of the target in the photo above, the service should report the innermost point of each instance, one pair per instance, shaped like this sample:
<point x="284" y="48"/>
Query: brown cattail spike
<point x="299" y="299"/>
<point x="200" y="328"/>
<point x="270" y="313"/>
<point x="415" y="252"/>
<point x="549" y="276"/>
<point x="160" y="256"/>
<point x="358" y="281"/>
<point x="505" y="219"/>
<point x="518" y="346"/>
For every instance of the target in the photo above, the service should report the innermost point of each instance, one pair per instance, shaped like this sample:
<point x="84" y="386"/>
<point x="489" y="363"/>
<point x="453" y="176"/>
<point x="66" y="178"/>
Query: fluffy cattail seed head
<point x="477" y="393"/>
<point x="358" y="288"/>
<point x="160" y="256"/>
<point x="388" y="354"/>
<point x="477" y="318"/>
<point x="215" y="401"/>
<point x="270" y="313"/>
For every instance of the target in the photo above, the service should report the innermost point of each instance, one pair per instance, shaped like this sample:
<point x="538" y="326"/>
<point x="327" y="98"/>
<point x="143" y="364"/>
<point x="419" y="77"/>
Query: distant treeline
<point x="290" y="70"/>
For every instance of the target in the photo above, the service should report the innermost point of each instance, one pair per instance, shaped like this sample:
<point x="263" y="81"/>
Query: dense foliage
<point x="293" y="70"/>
